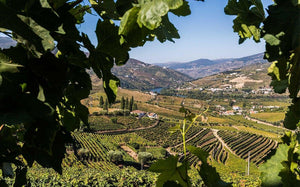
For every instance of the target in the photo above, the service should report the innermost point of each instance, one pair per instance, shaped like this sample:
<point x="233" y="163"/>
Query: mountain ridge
<point x="205" y="67"/>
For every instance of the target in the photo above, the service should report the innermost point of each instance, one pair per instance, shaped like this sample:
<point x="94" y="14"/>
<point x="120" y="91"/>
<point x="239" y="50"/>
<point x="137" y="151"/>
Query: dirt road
<point x="129" y="151"/>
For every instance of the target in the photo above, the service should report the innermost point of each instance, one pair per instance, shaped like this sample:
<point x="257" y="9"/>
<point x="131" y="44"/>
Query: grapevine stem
<point x="183" y="138"/>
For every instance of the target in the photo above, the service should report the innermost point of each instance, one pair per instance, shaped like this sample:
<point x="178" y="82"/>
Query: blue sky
<point x="206" y="33"/>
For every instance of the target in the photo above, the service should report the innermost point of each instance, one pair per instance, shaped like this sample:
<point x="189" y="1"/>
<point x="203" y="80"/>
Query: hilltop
<point x="205" y="67"/>
<point x="142" y="76"/>
<point x="252" y="76"/>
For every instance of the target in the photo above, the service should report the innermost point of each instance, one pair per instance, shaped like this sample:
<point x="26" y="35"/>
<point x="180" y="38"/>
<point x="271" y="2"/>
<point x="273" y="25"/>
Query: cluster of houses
<point x="141" y="114"/>
<point x="236" y="110"/>
<point x="229" y="88"/>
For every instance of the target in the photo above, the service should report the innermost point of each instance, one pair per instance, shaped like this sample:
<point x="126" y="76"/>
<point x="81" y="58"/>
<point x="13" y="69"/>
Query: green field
<point x="270" y="117"/>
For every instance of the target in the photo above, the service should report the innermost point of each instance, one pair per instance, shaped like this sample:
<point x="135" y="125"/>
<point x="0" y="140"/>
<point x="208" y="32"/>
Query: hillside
<point x="141" y="76"/>
<point x="252" y="76"/>
<point x="205" y="67"/>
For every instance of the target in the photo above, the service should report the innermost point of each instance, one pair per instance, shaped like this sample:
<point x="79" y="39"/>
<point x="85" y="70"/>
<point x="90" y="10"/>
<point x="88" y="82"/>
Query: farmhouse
<point x="236" y="108"/>
<point x="139" y="113"/>
<point x="152" y="115"/>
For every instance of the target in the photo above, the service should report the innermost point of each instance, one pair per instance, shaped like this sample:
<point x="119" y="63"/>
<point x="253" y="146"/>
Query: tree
<point x="126" y="104"/>
<point x="105" y="106"/>
<point x="135" y="107"/>
<point x="115" y="156"/>
<point x="144" y="157"/>
<point x="101" y="102"/>
<point x="131" y="103"/>
<point x="122" y="103"/>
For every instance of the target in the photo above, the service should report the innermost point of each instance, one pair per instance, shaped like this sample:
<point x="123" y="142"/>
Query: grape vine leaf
<point x="250" y="15"/>
<point x="187" y="113"/>
<point x="9" y="67"/>
<point x="284" y="164"/>
<point x="123" y="5"/>
<point x="279" y="78"/>
<point x="292" y="117"/>
<point x="131" y="34"/>
<point x="208" y="173"/>
<point x="9" y="15"/>
<point x="282" y="45"/>
<point x="151" y="12"/>
<point x="166" y="30"/>
<point x="109" y="42"/>
<point x="270" y="177"/>
<point x="20" y="176"/>
<point x="171" y="170"/>
<point x="174" y="4"/>
<point x="183" y="10"/>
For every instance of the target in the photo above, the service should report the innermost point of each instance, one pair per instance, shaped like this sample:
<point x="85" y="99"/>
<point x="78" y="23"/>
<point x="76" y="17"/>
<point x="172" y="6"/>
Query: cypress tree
<point x="134" y="106"/>
<point x="105" y="106"/>
<point x="131" y="103"/>
<point x="101" y="102"/>
<point x="122" y="103"/>
<point x="127" y="104"/>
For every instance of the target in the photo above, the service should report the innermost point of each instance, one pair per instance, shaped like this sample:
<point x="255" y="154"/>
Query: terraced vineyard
<point x="208" y="142"/>
<point x="241" y="143"/>
<point x="97" y="149"/>
<point x="161" y="135"/>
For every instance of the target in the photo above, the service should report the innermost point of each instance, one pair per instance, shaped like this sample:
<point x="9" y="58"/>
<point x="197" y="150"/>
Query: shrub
<point x="115" y="156"/>
<point x="135" y="145"/>
<point x="114" y="120"/>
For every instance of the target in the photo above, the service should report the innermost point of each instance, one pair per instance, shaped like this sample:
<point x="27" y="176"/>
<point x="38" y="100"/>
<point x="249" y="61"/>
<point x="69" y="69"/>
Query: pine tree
<point x="101" y="102"/>
<point x="122" y="103"/>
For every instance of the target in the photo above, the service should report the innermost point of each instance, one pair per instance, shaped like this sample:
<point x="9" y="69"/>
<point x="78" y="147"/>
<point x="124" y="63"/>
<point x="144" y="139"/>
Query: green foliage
<point x="115" y="156"/>
<point x="101" y="102"/>
<point x="122" y="103"/>
<point x="284" y="164"/>
<point x="281" y="31"/>
<point x="126" y="104"/>
<point x="41" y="91"/>
<point x="207" y="172"/>
<point x="250" y="14"/>
<point x="171" y="171"/>
<point x="105" y="106"/>
<point x="174" y="173"/>
<point x="131" y="103"/>
<point x="114" y="120"/>
<point x="135" y="107"/>
<point x="144" y="157"/>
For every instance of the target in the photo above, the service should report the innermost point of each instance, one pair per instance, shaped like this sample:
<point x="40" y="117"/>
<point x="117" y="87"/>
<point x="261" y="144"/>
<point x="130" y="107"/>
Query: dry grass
<point x="160" y="110"/>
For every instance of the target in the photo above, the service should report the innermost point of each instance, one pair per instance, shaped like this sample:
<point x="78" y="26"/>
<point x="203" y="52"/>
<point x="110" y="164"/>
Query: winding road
<point x="265" y="123"/>
<point x="215" y="132"/>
